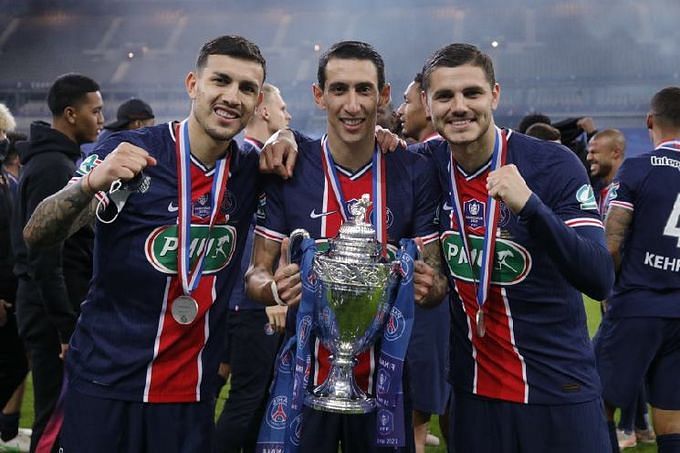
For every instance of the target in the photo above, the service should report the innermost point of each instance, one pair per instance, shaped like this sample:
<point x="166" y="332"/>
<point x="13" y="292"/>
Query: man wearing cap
<point x="132" y="114"/>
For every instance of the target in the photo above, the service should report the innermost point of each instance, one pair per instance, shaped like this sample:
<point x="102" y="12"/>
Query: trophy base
<point x="340" y="405"/>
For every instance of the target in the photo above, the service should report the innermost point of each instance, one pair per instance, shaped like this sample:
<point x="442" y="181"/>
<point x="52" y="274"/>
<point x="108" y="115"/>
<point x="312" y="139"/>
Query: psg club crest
<point x="285" y="364"/>
<point x="276" y="412"/>
<point x="305" y="329"/>
<point x="385" y="422"/>
<point x="395" y="326"/>
<point x="229" y="204"/>
<point x="474" y="213"/>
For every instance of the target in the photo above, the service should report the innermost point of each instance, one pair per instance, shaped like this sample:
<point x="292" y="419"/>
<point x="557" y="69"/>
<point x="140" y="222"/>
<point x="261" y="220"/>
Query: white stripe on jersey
<point x="430" y="238"/>
<point x="157" y="341"/>
<point x="584" y="221"/>
<point x="622" y="204"/>
<point x="206" y="334"/>
<point x="511" y="327"/>
<point x="269" y="234"/>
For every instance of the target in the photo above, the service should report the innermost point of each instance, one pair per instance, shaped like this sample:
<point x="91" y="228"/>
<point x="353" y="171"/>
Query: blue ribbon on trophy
<point x="396" y="335"/>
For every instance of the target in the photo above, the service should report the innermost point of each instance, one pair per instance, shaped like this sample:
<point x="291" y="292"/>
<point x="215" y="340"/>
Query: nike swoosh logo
<point x="172" y="207"/>
<point x="314" y="215"/>
<point x="446" y="207"/>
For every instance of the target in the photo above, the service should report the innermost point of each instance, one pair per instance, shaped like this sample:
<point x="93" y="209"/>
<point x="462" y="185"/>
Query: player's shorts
<point x="99" y="425"/>
<point x="628" y="349"/>
<point x="483" y="425"/>
<point x="427" y="359"/>
<point x="323" y="432"/>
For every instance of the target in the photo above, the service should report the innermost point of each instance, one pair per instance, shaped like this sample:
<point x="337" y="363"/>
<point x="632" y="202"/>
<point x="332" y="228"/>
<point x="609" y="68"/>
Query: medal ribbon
<point x="190" y="276"/>
<point x="490" y="224"/>
<point x="379" y="196"/>
<point x="672" y="145"/>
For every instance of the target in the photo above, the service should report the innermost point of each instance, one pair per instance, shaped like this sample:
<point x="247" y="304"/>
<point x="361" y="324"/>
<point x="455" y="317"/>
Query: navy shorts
<point x="427" y="359"/>
<point x="99" y="425"/>
<point x="484" y="425"/>
<point x="324" y="432"/>
<point x="628" y="349"/>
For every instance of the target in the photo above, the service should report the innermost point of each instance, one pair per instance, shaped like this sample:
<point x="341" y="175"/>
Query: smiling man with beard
<point x="521" y="234"/>
<point x="170" y="232"/>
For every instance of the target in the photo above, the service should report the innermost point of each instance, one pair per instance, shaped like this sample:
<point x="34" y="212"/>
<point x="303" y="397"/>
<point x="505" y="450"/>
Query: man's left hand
<point x="507" y="185"/>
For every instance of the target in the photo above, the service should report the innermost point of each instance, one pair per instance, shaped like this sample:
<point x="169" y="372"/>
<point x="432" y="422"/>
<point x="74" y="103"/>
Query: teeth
<point x="225" y="114"/>
<point x="352" y="122"/>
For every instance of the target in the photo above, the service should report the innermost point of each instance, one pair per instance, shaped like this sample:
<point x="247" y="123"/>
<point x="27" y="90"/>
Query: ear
<point x="190" y="83"/>
<point x="70" y="113"/>
<point x="495" y="95"/>
<point x="317" y="92"/>
<point x="385" y="95"/>
<point x="264" y="111"/>
<point x="426" y="104"/>
<point x="650" y="121"/>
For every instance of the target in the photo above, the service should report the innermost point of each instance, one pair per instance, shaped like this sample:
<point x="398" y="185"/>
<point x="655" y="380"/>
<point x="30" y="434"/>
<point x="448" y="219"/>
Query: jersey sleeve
<point x="622" y="192"/>
<point x="271" y="223"/>
<point x="568" y="227"/>
<point x="427" y="195"/>
<point x="98" y="154"/>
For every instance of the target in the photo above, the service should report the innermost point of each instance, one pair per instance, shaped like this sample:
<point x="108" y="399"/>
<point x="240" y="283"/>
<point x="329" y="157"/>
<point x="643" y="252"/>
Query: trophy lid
<point x="356" y="241"/>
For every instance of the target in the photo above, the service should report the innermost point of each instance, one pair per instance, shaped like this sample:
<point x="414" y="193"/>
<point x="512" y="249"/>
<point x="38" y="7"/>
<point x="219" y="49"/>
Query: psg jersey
<point x="648" y="186"/>
<point x="127" y="344"/>
<point x="536" y="347"/>
<point x="308" y="201"/>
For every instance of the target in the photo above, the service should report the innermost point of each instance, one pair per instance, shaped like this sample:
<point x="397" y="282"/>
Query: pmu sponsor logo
<point x="512" y="262"/>
<point x="218" y="245"/>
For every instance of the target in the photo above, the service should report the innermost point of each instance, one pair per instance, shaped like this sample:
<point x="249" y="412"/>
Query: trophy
<point x="358" y="289"/>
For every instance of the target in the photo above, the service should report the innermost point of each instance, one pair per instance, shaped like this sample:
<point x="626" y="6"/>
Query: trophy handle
<point x="296" y="238"/>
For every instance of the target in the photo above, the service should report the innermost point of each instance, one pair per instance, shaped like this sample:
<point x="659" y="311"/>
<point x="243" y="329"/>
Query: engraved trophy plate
<point x="357" y="288"/>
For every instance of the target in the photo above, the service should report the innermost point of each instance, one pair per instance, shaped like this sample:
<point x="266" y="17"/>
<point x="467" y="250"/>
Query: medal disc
<point x="184" y="310"/>
<point x="481" y="329"/>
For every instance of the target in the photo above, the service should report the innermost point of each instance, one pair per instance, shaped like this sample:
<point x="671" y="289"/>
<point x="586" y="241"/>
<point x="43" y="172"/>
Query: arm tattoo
<point x="617" y="223"/>
<point x="432" y="256"/>
<point x="58" y="216"/>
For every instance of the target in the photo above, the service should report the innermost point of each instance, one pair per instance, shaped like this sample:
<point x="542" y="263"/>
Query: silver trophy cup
<point x="358" y="291"/>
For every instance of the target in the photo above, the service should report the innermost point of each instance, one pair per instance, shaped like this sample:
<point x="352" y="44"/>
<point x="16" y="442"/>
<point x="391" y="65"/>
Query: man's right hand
<point x="125" y="162"/>
<point x="279" y="154"/>
<point x="287" y="277"/>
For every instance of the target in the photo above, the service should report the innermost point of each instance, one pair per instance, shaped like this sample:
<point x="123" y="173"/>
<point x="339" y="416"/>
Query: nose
<point x="400" y="110"/>
<point x="353" y="103"/>
<point x="458" y="105"/>
<point x="230" y="94"/>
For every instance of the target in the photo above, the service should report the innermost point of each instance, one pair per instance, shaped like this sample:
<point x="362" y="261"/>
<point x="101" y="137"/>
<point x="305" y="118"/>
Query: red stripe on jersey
<point x="499" y="367"/>
<point x="351" y="189"/>
<point x="175" y="373"/>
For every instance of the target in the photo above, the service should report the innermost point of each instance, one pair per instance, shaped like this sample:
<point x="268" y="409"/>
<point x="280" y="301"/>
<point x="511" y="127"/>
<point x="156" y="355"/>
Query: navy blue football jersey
<point x="648" y="283"/>
<point x="127" y="345"/>
<point x="307" y="201"/>
<point x="536" y="348"/>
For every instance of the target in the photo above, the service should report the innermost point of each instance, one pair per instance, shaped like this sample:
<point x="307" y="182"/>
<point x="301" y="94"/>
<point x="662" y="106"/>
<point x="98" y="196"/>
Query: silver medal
<point x="481" y="329"/>
<point x="184" y="310"/>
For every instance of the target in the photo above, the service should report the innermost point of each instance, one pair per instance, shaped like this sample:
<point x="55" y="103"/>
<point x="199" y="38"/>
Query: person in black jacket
<point x="53" y="281"/>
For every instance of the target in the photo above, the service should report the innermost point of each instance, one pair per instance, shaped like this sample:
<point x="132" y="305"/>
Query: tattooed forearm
<point x="59" y="216"/>
<point x="432" y="256"/>
<point x="617" y="223"/>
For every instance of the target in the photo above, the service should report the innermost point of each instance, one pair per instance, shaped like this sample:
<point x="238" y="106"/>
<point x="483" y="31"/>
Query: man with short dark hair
<point x="640" y="332"/>
<point x="351" y="86"/>
<point x="544" y="132"/>
<point x="170" y="232"/>
<point x="53" y="281"/>
<point x="521" y="234"/>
